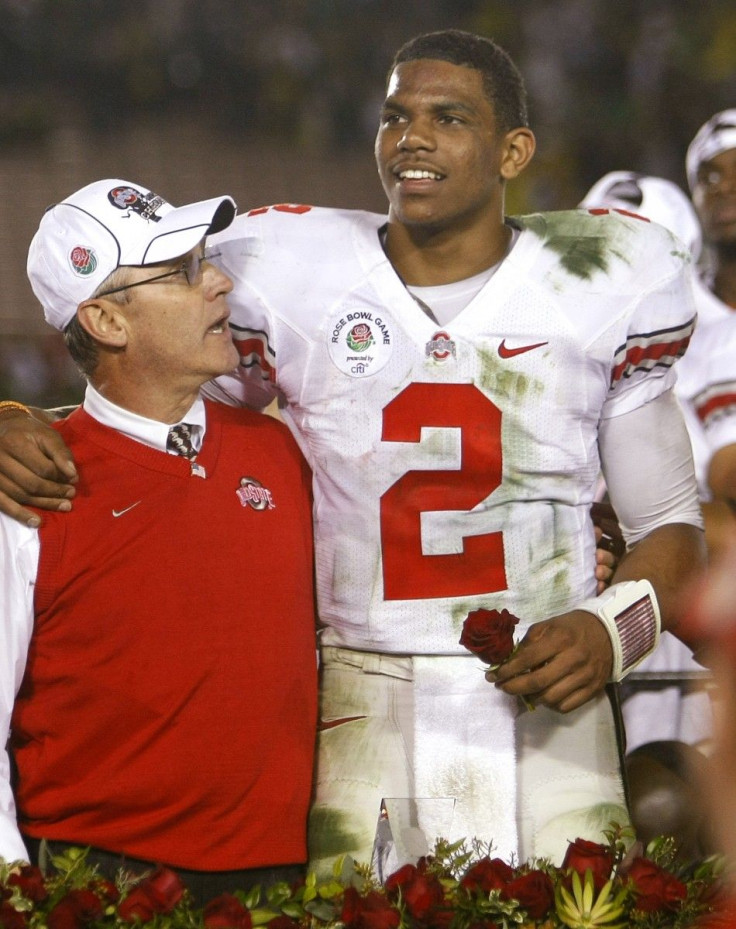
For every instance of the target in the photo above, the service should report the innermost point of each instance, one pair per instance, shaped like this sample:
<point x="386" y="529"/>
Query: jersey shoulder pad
<point x="609" y="243"/>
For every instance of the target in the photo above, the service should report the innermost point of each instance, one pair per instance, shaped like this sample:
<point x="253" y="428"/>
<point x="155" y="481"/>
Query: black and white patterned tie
<point x="179" y="441"/>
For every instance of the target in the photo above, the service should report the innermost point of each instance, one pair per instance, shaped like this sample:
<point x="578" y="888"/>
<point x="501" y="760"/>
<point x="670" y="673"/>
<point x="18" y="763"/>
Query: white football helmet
<point x="657" y="199"/>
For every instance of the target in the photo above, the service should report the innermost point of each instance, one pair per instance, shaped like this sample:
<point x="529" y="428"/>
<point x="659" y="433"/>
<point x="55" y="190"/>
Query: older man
<point x="154" y="714"/>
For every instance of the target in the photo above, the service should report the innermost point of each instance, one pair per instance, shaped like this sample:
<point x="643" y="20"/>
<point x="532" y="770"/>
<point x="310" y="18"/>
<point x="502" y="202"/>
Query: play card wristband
<point x="630" y="613"/>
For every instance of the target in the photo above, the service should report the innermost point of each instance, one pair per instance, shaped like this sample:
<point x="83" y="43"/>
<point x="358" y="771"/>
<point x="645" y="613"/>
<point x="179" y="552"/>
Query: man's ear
<point x="104" y="321"/>
<point x="519" y="151"/>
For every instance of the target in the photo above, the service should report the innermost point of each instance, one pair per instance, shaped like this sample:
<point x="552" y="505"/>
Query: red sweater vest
<point x="168" y="708"/>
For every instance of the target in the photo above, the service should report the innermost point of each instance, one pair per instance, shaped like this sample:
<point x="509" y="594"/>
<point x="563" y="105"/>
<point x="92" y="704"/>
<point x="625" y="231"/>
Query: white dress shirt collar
<point x="148" y="431"/>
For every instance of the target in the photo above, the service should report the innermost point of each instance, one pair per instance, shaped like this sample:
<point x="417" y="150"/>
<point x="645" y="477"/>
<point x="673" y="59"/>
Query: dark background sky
<point x="276" y="100"/>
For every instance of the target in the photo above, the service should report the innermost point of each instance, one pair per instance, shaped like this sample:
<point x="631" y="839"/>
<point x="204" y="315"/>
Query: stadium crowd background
<point x="276" y="101"/>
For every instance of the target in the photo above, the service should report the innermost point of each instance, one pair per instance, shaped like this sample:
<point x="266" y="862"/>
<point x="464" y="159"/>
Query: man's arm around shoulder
<point x="36" y="467"/>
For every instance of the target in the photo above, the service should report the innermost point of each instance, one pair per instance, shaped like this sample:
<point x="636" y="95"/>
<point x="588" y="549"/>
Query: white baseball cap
<point x="110" y="223"/>
<point x="655" y="198"/>
<point x="716" y="136"/>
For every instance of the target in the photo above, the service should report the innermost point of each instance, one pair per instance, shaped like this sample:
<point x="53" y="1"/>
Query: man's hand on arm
<point x="36" y="467"/>
<point x="561" y="663"/>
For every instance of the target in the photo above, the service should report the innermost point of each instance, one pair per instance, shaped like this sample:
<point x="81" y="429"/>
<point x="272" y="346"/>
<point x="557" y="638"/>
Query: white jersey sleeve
<point x="454" y="466"/>
<point x="19" y="546"/>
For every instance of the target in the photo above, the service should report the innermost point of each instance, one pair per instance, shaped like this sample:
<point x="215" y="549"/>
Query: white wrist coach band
<point x="630" y="613"/>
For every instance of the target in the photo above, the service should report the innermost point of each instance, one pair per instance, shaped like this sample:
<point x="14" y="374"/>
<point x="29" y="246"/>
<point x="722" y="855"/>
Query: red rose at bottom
<point x="422" y="893"/>
<point x="77" y="909"/>
<point x="30" y="882"/>
<point x="226" y="912"/>
<point x="582" y="856"/>
<point x="486" y="875"/>
<point x="371" y="911"/>
<point x="655" y="888"/>
<point x="158" y="893"/>
<point x="10" y="918"/>
<point x="534" y="891"/>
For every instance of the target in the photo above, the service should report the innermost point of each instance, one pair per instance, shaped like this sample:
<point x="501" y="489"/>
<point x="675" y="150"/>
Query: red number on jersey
<point x="408" y="574"/>
<point x="281" y="208"/>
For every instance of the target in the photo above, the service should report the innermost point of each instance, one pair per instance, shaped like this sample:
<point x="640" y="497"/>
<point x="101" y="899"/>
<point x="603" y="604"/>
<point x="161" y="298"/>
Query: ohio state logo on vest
<point x="253" y="494"/>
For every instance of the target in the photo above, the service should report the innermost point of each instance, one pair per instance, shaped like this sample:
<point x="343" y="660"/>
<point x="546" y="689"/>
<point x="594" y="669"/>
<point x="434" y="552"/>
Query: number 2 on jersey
<point x="409" y="574"/>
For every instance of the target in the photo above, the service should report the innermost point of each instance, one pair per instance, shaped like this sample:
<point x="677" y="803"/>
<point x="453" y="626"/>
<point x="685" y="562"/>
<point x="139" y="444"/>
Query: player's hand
<point x="605" y="562"/>
<point x="561" y="663"/>
<point x="36" y="468"/>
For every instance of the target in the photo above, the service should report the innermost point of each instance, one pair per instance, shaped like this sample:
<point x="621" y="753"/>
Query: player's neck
<point x="425" y="258"/>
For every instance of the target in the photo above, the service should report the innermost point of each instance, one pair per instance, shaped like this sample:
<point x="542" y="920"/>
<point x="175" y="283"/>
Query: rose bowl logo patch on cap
<point x="83" y="260"/>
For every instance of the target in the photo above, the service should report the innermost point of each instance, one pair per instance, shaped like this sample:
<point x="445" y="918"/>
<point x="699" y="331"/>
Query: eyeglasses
<point x="191" y="268"/>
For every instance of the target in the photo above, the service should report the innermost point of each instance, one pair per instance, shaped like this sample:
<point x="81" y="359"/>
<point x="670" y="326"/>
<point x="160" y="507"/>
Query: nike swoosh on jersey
<point x="512" y="352"/>
<point x="127" y="509"/>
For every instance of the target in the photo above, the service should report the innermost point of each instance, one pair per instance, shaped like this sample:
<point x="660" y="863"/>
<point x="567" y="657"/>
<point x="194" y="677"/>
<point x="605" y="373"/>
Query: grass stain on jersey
<point x="330" y="834"/>
<point x="586" y="244"/>
<point x="499" y="381"/>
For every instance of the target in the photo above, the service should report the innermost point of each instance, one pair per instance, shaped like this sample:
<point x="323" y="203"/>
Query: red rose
<point x="137" y="905"/>
<point x="108" y="890"/>
<point x="226" y="912"/>
<point x="440" y="919"/>
<point x="77" y="909"/>
<point x="282" y="922"/>
<point x="655" y="888"/>
<point x="158" y="893"/>
<point x="30" y="882"/>
<point x="489" y="634"/>
<point x="534" y="891"/>
<point x="371" y="911"/>
<point x="487" y="875"/>
<point x="421" y="892"/>
<point x="582" y="856"/>
<point x="10" y="918"/>
<point x="165" y="887"/>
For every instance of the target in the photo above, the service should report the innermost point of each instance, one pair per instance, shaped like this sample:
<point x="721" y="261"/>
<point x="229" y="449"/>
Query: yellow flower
<point x="582" y="909"/>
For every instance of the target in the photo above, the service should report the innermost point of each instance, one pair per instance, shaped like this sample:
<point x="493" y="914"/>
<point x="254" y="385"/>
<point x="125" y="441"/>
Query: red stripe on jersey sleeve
<point x="253" y="352"/>
<point x="637" y="356"/>
<point x="714" y="404"/>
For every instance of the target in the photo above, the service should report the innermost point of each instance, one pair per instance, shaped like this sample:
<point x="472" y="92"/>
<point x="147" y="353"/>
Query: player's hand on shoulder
<point x="36" y="468"/>
<point x="561" y="663"/>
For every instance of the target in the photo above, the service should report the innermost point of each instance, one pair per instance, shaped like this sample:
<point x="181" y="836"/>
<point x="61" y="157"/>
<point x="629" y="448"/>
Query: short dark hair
<point x="502" y="80"/>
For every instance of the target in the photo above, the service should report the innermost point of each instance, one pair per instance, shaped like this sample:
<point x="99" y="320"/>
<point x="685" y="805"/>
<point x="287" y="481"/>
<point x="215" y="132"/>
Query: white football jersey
<point x="694" y="375"/>
<point x="454" y="466"/>
<point x="709" y="386"/>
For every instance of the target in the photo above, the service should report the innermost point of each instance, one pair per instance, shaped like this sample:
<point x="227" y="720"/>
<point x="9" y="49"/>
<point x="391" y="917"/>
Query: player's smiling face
<point x="438" y="150"/>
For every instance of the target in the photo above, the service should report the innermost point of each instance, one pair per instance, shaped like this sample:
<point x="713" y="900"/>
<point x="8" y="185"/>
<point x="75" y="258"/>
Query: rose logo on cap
<point x="83" y="260"/>
<point x="128" y="198"/>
